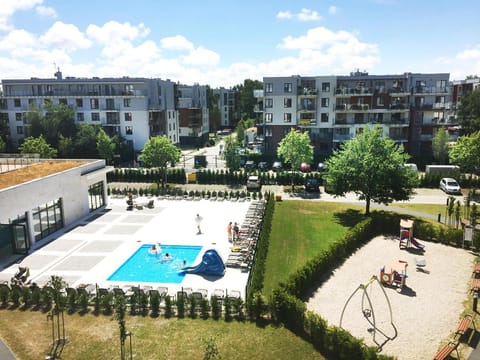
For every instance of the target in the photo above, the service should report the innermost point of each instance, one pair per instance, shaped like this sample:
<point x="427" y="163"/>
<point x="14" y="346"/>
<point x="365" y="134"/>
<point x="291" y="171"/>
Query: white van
<point x="441" y="169"/>
<point x="412" y="166"/>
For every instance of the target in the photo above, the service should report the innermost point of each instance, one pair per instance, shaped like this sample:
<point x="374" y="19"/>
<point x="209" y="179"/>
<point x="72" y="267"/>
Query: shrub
<point x="216" y="307"/>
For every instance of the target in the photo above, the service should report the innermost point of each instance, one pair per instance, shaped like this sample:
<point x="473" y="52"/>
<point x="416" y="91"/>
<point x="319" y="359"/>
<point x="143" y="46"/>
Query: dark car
<point x="277" y="166"/>
<point x="312" y="185"/>
<point x="249" y="165"/>
<point x="263" y="165"/>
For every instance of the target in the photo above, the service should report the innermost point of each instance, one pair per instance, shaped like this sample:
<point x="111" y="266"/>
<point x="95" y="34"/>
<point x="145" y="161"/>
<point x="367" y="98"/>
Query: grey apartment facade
<point x="333" y="109"/>
<point x="135" y="108"/>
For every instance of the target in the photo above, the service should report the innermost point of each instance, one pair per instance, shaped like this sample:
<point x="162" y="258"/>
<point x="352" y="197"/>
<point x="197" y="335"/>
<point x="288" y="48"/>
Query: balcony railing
<point x="307" y="91"/>
<point x="354" y="91"/>
<point x="341" y="137"/>
<point x="352" y="107"/>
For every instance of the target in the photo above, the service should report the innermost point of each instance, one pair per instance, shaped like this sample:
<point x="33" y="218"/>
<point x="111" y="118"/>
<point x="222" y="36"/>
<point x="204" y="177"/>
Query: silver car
<point x="450" y="186"/>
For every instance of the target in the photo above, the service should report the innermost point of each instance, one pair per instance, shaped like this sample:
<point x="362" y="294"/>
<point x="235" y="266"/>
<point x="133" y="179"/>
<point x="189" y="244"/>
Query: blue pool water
<point x="143" y="266"/>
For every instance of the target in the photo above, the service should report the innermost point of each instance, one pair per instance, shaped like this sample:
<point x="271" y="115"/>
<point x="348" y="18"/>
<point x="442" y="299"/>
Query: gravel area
<point x="424" y="313"/>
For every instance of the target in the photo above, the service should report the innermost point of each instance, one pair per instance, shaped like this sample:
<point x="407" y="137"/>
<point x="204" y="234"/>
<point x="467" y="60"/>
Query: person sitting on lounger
<point x="153" y="250"/>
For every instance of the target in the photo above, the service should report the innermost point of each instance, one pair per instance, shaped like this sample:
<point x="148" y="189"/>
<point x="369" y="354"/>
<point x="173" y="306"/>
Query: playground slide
<point x="212" y="264"/>
<point x="417" y="244"/>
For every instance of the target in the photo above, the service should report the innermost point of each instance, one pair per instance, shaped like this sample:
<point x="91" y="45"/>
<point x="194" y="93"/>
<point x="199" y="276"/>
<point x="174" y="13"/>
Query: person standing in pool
<point x="198" y="220"/>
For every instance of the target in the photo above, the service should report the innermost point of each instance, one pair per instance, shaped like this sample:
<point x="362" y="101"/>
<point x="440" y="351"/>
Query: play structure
<point x="368" y="313"/>
<point x="407" y="241"/>
<point x="212" y="264"/>
<point x="395" y="275"/>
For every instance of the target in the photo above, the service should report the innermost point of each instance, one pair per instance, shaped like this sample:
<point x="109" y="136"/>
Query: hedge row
<point x="145" y="175"/>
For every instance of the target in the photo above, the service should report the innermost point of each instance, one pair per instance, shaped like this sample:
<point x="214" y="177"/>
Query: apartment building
<point x="333" y="109"/>
<point x="135" y="108"/>
<point x="228" y="103"/>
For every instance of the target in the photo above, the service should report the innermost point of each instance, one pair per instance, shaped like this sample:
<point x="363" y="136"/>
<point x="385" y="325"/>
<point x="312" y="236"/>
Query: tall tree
<point x="440" y="146"/>
<point x="86" y="141"/>
<point x="468" y="113"/>
<point x="3" y="145"/>
<point x="372" y="166"/>
<point x="232" y="157"/>
<point x="295" y="148"/>
<point x="213" y="109"/>
<point x="247" y="100"/>
<point x="466" y="152"/>
<point x="65" y="146"/>
<point x="159" y="152"/>
<point x="38" y="146"/>
<point x="105" y="146"/>
<point x="240" y="130"/>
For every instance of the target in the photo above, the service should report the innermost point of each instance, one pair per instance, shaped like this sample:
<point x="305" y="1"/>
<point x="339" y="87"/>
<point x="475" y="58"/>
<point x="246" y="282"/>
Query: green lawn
<point x="300" y="230"/>
<point x="433" y="209"/>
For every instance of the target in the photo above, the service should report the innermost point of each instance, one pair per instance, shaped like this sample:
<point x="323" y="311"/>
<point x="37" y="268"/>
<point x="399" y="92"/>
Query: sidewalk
<point x="5" y="352"/>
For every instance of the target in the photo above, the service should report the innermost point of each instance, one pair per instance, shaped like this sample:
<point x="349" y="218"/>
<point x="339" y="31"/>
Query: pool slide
<point x="211" y="264"/>
<point x="417" y="244"/>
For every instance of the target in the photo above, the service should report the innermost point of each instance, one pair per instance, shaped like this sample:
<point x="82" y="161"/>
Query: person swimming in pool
<point x="166" y="257"/>
<point x="153" y="250"/>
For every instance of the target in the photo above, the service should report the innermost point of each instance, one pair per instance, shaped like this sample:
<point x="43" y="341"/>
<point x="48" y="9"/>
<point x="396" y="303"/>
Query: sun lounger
<point x="445" y="351"/>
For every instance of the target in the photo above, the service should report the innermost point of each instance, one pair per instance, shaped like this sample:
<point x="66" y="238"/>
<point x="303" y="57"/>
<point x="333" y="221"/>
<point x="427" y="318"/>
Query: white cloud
<point x="114" y="31"/>
<point x="462" y="64"/>
<point x="17" y="39"/>
<point x="284" y="15"/>
<point x="9" y="7"/>
<point x="46" y="11"/>
<point x="177" y="42"/>
<point x="66" y="36"/>
<point x="201" y="56"/>
<point x="303" y="15"/>
<point x="332" y="9"/>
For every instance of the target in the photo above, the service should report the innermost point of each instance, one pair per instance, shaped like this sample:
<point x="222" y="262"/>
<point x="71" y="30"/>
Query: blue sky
<point x="221" y="43"/>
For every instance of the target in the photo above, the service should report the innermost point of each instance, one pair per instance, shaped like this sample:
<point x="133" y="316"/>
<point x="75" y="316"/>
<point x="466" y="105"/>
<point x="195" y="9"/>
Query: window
<point x="32" y="102"/>
<point x="93" y="103"/>
<point x="110" y="103"/>
<point x="96" y="196"/>
<point x="287" y="117"/>
<point x="268" y="117"/>
<point x="128" y="116"/>
<point x="18" y="117"/>
<point x="419" y="101"/>
<point x="287" y="102"/>
<point x="95" y="116"/>
<point x="325" y="102"/>
<point x="19" y="129"/>
<point x="440" y="99"/>
<point x="17" y="102"/>
<point x="63" y="101"/>
<point x="4" y="118"/>
<point x="441" y="85"/>
<point x="3" y="104"/>
<point x="127" y="102"/>
<point x="128" y="130"/>
<point x="397" y="84"/>
<point x="287" y="87"/>
<point x="324" y="117"/>
<point x="268" y="132"/>
<point x="268" y="88"/>
<point x="269" y="103"/>
<point x="325" y="86"/>
<point x="380" y="101"/>
<point x="47" y="219"/>
<point x="80" y="116"/>
<point x="79" y="102"/>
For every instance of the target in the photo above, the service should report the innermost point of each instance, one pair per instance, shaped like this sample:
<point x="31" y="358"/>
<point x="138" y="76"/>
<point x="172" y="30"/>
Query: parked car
<point x="277" y="166"/>
<point x="312" y="185"/>
<point x="450" y="186"/>
<point x="253" y="183"/>
<point x="250" y="165"/>
<point x="304" y="167"/>
<point x="263" y="165"/>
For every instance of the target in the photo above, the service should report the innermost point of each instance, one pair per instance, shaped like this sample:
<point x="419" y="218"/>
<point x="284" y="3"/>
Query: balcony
<point x="430" y="90"/>
<point x="346" y="92"/>
<point x="307" y="122"/>
<point x="341" y="137"/>
<point x="352" y="107"/>
<point x="110" y="108"/>
<point x="397" y="91"/>
<point x="307" y="91"/>
<point x="307" y="107"/>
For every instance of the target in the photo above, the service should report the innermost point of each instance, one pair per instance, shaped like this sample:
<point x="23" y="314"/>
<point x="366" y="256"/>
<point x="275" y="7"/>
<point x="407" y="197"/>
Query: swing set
<point x="369" y="313"/>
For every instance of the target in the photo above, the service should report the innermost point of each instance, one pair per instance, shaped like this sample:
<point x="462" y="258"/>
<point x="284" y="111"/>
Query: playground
<point x="408" y="318"/>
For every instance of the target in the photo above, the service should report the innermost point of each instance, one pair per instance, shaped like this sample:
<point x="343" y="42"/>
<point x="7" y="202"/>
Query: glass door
<point x="20" y="239"/>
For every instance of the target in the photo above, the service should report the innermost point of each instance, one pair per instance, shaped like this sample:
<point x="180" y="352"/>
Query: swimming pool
<point x="143" y="266"/>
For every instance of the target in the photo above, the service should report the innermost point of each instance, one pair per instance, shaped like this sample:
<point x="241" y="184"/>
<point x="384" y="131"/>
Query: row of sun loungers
<point x="462" y="328"/>
<point x="244" y="246"/>
<point x="220" y="196"/>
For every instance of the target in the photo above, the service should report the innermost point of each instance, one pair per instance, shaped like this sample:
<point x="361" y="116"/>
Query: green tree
<point x="213" y="109"/>
<point x="65" y="146"/>
<point x="240" y="130"/>
<point x="371" y="165"/>
<point x="3" y="145"/>
<point x="232" y="157"/>
<point x="466" y="152"/>
<point x="105" y="146"/>
<point x="38" y="146"/>
<point x="34" y="121"/>
<point x="247" y="100"/>
<point x="159" y="152"/>
<point x="294" y="149"/>
<point x="86" y="141"/>
<point x="440" y="146"/>
<point x="468" y="113"/>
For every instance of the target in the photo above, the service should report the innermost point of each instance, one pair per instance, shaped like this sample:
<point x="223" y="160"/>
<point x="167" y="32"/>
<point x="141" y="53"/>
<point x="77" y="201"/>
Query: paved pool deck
<point x="96" y="246"/>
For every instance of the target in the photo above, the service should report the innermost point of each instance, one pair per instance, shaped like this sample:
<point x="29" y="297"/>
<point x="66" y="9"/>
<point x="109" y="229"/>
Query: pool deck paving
<point x="91" y="250"/>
